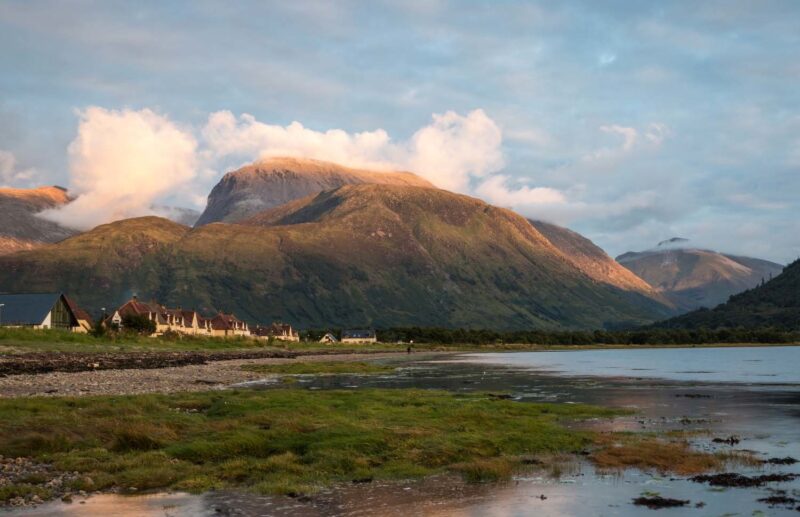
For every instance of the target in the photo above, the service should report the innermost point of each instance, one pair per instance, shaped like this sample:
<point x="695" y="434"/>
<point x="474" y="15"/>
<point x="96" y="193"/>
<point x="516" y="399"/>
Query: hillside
<point x="774" y="304"/>
<point x="692" y="278"/>
<point x="274" y="181"/>
<point x="591" y="259"/>
<point x="21" y="229"/>
<point x="100" y="267"/>
<point x="376" y="255"/>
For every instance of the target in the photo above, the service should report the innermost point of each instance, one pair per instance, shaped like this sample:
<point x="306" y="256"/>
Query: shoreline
<point x="218" y="374"/>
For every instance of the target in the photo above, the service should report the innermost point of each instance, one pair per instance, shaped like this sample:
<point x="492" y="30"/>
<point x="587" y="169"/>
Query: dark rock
<point x="733" y="479"/>
<point x="654" y="503"/>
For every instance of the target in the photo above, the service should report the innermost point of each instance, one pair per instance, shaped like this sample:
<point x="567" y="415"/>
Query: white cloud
<point x="121" y="162"/>
<point x="496" y="191"/>
<point x="10" y="175"/>
<point x="629" y="135"/>
<point x="449" y="151"/>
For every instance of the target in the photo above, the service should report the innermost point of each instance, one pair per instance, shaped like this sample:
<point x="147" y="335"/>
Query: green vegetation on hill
<point x="775" y="304"/>
<point x="282" y="441"/>
<point x="362" y="255"/>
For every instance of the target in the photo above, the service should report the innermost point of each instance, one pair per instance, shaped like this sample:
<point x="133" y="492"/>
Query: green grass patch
<point x="320" y="368"/>
<point x="285" y="441"/>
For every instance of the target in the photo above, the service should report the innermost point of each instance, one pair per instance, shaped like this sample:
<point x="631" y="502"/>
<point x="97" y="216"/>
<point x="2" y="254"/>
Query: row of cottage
<point x="55" y="310"/>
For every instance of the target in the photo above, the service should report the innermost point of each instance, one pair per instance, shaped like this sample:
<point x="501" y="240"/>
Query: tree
<point x="138" y="323"/>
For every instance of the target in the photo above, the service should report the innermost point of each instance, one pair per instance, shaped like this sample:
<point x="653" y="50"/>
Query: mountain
<point x="692" y="278"/>
<point x="776" y="304"/>
<point x="275" y="181"/>
<point x="360" y="255"/>
<point x="591" y="259"/>
<point x="101" y="267"/>
<point x="20" y="228"/>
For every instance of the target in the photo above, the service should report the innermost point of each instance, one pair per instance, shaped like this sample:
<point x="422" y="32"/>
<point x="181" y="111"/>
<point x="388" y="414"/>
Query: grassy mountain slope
<point x="591" y="259"/>
<point x="101" y="267"/>
<point x="360" y="255"/>
<point x="774" y="304"/>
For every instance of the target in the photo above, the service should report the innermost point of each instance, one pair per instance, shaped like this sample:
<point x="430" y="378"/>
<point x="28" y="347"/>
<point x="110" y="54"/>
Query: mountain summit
<point x="692" y="277"/>
<point x="274" y="181"/>
<point x="21" y="229"/>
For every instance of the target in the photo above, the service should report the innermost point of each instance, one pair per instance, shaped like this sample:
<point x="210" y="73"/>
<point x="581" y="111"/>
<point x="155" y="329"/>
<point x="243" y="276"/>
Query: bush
<point x="138" y="323"/>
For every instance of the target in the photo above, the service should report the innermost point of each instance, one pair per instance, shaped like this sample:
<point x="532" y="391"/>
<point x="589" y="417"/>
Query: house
<point x="189" y="322"/>
<point x="281" y="331"/>
<point x="85" y="322"/>
<point x="42" y="311"/>
<point x="359" y="336"/>
<point x="134" y="307"/>
<point x="228" y="325"/>
<point x="329" y="338"/>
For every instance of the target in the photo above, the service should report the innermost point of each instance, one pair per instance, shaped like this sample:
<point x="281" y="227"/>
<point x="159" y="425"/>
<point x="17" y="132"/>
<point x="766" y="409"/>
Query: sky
<point x="629" y="122"/>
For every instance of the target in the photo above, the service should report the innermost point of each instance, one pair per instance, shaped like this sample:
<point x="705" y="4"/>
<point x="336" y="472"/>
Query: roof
<point x="79" y="313"/>
<point x="26" y="309"/>
<point x="358" y="334"/>
<point x="276" y="329"/>
<point x="224" y="321"/>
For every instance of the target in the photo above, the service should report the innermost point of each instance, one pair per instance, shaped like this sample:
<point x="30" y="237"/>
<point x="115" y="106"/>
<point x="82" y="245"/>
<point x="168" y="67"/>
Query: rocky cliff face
<point x="21" y="229"/>
<point x="275" y="181"/>
<point x="694" y="278"/>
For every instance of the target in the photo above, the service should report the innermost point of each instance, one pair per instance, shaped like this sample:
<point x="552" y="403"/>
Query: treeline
<point x="444" y="336"/>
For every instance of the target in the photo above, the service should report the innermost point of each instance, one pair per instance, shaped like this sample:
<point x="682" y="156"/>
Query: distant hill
<point x="692" y="278"/>
<point x="20" y="229"/>
<point x="774" y="304"/>
<point x="274" y="181"/>
<point x="360" y="255"/>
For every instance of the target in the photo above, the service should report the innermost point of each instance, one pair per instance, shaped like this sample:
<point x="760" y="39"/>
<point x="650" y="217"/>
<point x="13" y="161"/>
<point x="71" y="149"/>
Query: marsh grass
<point x="662" y="454"/>
<point x="320" y="368"/>
<point x="285" y="441"/>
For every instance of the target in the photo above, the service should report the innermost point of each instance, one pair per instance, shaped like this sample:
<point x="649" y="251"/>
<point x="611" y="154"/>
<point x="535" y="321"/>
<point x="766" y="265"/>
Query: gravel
<point x="193" y="377"/>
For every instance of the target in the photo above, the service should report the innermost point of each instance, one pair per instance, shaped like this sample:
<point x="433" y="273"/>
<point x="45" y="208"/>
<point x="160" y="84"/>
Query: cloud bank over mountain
<point x="121" y="162"/>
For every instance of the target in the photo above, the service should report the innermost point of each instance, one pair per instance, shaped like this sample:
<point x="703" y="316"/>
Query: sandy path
<point x="196" y="377"/>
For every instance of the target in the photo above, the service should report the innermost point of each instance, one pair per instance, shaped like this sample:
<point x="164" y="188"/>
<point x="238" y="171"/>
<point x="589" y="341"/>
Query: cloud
<point x="496" y="191"/>
<point x="449" y="151"/>
<point x="629" y="135"/>
<point x="10" y="175"/>
<point x="121" y="162"/>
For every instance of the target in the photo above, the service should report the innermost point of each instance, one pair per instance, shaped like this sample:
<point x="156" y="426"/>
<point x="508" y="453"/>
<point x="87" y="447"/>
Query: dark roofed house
<point x="227" y="325"/>
<point x="85" y="322"/>
<point x="281" y="331"/>
<point x="359" y="336"/>
<point x="41" y="311"/>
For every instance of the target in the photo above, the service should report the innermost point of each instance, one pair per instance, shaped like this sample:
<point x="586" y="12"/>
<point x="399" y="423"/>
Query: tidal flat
<point x="539" y="439"/>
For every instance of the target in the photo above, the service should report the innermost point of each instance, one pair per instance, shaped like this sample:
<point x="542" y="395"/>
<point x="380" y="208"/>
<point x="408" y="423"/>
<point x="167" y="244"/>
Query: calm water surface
<point x="753" y="393"/>
<point x="742" y="365"/>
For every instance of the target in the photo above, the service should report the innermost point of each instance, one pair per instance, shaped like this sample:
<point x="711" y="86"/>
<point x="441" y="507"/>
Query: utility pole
<point x="1" y="313"/>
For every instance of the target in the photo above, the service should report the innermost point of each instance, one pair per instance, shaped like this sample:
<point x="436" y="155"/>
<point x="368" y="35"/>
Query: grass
<point x="661" y="454"/>
<point x="320" y="368"/>
<point x="285" y="441"/>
